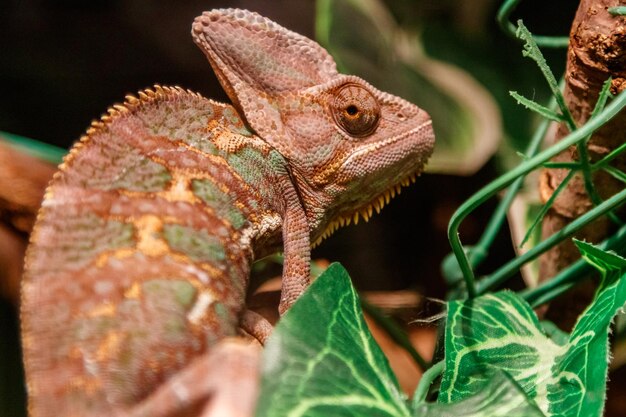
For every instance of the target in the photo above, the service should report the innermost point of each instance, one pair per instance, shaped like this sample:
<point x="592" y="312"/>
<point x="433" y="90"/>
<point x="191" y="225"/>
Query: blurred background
<point x="62" y="63"/>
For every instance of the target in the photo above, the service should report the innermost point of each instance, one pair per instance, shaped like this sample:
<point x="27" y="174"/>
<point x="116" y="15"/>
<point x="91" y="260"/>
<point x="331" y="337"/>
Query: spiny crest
<point x="376" y="205"/>
<point x="131" y="104"/>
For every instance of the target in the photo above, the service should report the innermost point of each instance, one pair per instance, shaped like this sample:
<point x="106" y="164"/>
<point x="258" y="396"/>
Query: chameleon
<point x="139" y="261"/>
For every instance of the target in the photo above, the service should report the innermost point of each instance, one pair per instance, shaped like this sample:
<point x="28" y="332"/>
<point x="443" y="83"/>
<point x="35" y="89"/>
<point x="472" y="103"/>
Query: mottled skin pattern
<point x="140" y="258"/>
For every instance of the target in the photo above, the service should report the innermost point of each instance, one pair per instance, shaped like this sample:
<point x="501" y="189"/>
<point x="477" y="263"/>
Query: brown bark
<point x="596" y="52"/>
<point x="23" y="180"/>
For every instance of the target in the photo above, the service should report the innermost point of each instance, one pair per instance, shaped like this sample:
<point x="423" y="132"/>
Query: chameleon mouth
<point x="366" y="212"/>
<point x="392" y="141"/>
<point x="380" y="200"/>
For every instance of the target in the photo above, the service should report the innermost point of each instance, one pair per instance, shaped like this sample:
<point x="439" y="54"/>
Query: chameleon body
<point x="140" y="258"/>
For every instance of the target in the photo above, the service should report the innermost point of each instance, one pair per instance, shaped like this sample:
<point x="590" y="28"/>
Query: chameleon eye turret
<point x="355" y="110"/>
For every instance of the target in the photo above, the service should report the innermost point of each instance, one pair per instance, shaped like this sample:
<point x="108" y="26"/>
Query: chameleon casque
<point x="140" y="258"/>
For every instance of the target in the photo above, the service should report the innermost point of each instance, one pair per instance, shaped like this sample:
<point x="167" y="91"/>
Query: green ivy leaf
<point x="605" y="262"/>
<point x="500" y="332"/>
<point x="502" y="397"/>
<point x="321" y="359"/>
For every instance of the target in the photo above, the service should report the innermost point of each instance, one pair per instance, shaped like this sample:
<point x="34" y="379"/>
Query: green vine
<point x="467" y="258"/>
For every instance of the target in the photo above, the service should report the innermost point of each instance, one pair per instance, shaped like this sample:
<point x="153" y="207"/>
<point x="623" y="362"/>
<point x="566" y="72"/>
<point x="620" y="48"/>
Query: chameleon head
<point x="349" y="146"/>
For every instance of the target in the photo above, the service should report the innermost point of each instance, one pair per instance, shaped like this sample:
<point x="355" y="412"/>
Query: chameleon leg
<point x="224" y="382"/>
<point x="256" y="325"/>
<point x="297" y="250"/>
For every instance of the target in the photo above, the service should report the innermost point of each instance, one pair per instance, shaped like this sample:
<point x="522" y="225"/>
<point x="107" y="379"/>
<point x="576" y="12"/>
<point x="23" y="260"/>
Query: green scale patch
<point x="234" y="122"/>
<point x="221" y="202"/>
<point x="114" y="164"/>
<point x="170" y="295"/>
<point x="145" y="176"/>
<point x="258" y="169"/>
<point x="199" y="245"/>
<point x="183" y="120"/>
<point x="86" y="236"/>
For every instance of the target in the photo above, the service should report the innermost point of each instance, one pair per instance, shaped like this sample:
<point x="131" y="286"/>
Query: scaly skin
<point x="140" y="258"/>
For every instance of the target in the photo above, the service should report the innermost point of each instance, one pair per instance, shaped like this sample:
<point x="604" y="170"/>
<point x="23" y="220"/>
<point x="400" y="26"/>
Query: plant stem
<point x="503" y="181"/>
<point x="426" y="381"/>
<point x="504" y="12"/>
<point x="513" y="266"/>
<point x="563" y="281"/>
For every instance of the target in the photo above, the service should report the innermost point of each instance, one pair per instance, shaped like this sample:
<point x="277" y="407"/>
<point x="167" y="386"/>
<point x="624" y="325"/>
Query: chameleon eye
<point x="355" y="110"/>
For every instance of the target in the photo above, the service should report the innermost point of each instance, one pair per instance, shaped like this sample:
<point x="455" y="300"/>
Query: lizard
<point x="139" y="261"/>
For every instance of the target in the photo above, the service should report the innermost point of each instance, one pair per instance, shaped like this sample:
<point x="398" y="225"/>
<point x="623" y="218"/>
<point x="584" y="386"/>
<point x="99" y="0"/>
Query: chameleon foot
<point x="256" y="325"/>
